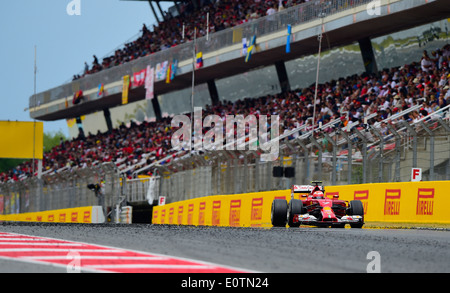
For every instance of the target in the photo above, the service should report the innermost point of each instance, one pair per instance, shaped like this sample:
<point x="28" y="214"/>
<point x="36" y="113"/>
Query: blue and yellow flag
<point x="250" y="49"/>
<point x="174" y="69"/>
<point x="288" y="43"/>
<point x="101" y="90"/>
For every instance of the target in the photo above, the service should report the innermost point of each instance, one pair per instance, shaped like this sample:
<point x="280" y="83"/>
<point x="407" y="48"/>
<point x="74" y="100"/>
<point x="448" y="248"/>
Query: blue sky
<point x="63" y="44"/>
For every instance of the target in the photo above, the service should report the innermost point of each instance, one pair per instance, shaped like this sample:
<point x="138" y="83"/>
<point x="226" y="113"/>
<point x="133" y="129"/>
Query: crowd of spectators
<point x="169" y="33"/>
<point x="349" y="99"/>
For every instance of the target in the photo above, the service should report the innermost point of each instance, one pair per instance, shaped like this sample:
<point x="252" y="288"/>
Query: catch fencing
<point x="384" y="151"/>
<point x="358" y="153"/>
<point x="66" y="188"/>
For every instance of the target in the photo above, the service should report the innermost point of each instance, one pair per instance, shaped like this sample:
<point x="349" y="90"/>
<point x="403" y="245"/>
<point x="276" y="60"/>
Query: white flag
<point x="149" y="83"/>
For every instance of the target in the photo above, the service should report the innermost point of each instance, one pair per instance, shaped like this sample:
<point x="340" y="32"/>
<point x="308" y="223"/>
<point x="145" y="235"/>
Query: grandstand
<point x="369" y="109"/>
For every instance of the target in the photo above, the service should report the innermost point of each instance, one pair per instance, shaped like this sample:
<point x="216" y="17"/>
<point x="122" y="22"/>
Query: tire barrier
<point x="126" y="215"/>
<point x="91" y="214"/>
<point x="406" y="202"/>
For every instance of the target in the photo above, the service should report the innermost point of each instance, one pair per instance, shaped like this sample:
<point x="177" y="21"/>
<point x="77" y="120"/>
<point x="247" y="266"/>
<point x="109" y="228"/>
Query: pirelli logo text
<point x="171" y="214"/>
<point x="180" y="215"/>
<point x="363" y="196"/>
<point x="216" y="213"/>
<point x="256" y="213"/>
<point x="425" y="202"/>
<point x="235" y="213"/>
<point x="392" y="202"/>
<point x="190" y="216"/>
<point x="163" y="217"/>
<point x="201" y="213"/>
<point x="87" y="216"/>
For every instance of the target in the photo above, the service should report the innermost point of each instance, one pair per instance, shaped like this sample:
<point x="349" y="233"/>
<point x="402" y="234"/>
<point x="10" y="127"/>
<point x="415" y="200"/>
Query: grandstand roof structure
<point x="343" y="26"/>
<point x="158" y="5"/>
<point x="158" y="0"/>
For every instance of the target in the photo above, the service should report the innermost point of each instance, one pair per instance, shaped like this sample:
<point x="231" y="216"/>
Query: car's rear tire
<point x="279" y="212"/>
<point x="295" y="208"/>
<point x="356" y="208"/>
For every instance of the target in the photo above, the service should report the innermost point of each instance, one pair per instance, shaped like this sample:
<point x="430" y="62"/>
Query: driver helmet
<point x="318" y="194"/>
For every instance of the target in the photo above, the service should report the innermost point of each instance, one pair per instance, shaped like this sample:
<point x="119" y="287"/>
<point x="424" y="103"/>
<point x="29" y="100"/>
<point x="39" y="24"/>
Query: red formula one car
<point x="316" y="210"/>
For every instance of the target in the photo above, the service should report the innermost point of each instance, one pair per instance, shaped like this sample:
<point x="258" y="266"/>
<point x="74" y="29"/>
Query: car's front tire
<point x="295" y="208"/>
<point x="356" y="208"/>
<point x="279" y="212"/>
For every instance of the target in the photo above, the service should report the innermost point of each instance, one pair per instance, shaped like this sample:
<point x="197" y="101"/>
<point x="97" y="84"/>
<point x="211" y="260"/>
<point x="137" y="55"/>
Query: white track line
<point x="149" y="266"/>
<point x="4" y="239"/>
<point x="60" y="250"/>
<point x="41" y="243"/>
<point x="99" y="257"/>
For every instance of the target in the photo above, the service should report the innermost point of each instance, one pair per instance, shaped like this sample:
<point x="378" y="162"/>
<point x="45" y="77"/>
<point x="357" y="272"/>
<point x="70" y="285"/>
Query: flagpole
<point x="207" y="26"/>
<point x="34" y="120"/>
<point x="320" y="37"/>
<point x="193" y="85"/>
<point x="183" y="32"/>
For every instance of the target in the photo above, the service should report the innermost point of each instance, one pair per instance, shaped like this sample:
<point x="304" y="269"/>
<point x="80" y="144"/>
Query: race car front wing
<point x="309" y="219"/>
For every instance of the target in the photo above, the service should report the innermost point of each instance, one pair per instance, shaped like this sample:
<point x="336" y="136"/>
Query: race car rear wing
<point x="305" y="188"/>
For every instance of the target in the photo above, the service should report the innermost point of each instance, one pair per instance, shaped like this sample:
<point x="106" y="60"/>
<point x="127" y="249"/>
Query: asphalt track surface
<point x="275" y="250"/>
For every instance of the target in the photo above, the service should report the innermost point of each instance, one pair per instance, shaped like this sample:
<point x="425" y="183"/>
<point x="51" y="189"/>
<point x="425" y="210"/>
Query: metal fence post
<point x="319" y="159"/>
<point x="334" y="153"/>
<point x="447" y="129"/>
<point x="430" y="133"/>
<point x="306" y="159"/>
<point x="363" y="152"/>
<point x="397" y="151"/>
<point x="381" y="146"/>
<point x="413" y="133"/>
<point x="349" y="156"/>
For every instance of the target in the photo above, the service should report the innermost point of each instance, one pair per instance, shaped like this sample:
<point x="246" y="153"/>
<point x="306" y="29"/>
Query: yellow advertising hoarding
<point x="16" y="139"/>
<point x="90" y="214"/>
<point x="407" y="202"/>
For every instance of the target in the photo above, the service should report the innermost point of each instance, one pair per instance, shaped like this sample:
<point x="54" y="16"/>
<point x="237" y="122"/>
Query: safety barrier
<point x="126" y="215"/>
<point x="412" y="202"/>
<point x="91" y="214"/>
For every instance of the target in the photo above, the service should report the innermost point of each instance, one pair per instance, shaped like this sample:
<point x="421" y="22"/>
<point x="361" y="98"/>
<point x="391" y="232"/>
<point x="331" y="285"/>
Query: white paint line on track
<point x="149" y="266"/>
<point x="99" y="257"/>
<point x="98" y="250"/>
<point x="41" y="244"/>
<point x="5" y="239"/>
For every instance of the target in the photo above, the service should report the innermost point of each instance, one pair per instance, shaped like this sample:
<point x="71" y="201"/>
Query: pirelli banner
<point x="91" y="214"/>
<point x="407" y="202"/>
<point x="245" y="210"/>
